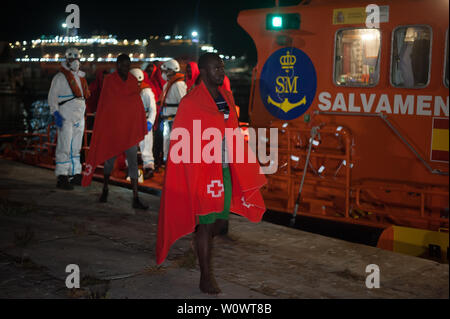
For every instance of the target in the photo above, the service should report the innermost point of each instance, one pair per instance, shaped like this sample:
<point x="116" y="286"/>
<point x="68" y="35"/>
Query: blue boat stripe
<point x="62" y="162"/>
<point x="64" y="96"/>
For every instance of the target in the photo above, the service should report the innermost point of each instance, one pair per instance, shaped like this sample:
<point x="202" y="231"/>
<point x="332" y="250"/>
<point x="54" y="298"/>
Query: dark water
<point x="12" y="114"/>
<point x="24" y="113"/>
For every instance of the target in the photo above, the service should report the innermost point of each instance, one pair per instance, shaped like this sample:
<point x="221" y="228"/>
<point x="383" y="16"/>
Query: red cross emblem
<point x="88" y="170"/>
<point x="244" y="203"/>
<point x="215" y="188"/>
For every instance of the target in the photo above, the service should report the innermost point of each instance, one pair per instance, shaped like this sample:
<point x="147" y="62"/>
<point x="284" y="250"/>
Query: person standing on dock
<point x="174" y="90"/>
<point x="198" y="193"/>
<point x="146" y="145"/>
<point x="66" y="98"/>
<point x="120" y="124"/>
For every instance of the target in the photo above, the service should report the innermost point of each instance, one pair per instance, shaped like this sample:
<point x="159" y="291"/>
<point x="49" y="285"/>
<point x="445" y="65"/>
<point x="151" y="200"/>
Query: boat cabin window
<point x="357" y="57"/>
<point x="446" y="61"/>
<point x="411" y="56"/>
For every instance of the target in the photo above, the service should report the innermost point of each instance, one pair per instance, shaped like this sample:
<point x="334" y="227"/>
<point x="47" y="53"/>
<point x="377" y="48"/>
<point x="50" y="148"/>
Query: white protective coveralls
<point x="174" y="96"/>
<point x="146" y="145"/>
<point x="70" y="135"/>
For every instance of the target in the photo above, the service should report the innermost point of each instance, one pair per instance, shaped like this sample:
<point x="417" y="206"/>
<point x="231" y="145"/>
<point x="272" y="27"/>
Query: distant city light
<point x="61" y="41"/>
<point x="207" y="48"/>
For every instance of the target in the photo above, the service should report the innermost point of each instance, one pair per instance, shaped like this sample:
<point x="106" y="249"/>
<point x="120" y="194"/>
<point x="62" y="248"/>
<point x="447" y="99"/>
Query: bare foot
<point x="209" y="286"/>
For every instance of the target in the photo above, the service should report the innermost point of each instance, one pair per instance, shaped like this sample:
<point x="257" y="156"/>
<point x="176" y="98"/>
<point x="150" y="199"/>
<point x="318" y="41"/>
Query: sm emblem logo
<point x="288" y="83"/>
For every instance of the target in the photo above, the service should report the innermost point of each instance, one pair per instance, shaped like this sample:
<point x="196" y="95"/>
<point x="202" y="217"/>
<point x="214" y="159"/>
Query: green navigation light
<point x="282" y="21"/>
<point x="277" y="22"/>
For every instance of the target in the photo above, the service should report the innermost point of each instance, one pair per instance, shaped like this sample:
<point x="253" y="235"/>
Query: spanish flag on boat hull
<point x="413" y="241"/>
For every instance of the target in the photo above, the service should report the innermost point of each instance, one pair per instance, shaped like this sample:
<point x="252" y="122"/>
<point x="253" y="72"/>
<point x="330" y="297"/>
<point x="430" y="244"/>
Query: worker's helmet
<point x="72" y="53"/>
<point x="171" y="65"/>
<point x="138" y="74"/>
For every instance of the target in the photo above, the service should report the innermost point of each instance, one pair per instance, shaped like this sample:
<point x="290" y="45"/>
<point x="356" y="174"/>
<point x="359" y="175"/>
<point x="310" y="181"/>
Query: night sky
<point x="27" y="20"/>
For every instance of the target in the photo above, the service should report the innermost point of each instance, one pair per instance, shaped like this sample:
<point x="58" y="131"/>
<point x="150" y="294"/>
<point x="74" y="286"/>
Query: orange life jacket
<point x="177" y="77"/>
<point x="145" y="85"/>
<point x="73" y="84"/>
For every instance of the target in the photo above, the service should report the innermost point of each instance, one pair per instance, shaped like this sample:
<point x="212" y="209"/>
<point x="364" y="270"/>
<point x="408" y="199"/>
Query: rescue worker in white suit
<point x="146" y="145"/>
<point x="173" y="91"/>
<point x="66" y="98"/>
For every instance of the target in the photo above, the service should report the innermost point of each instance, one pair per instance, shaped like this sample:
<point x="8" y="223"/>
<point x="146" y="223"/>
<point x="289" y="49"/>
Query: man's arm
<point x="55" y="87"/>
<point x="152" y="108"/>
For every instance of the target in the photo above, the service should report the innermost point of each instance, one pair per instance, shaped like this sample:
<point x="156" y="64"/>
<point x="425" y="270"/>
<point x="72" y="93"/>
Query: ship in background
<point x="40" y="58"/>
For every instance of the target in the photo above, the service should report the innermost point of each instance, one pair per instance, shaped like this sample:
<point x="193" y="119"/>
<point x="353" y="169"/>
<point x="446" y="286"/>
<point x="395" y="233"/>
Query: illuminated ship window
<point x="411" y="56"/>
<point x="357" y="57"/>
<point x="446" y="61"/>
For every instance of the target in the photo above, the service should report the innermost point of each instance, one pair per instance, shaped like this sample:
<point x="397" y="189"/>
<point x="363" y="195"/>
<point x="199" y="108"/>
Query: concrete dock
<point x="44" y="229"/>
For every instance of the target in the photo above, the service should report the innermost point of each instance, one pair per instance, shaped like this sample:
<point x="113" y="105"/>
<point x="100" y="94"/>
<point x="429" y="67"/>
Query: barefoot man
<point x="120" y="124"/>
<point x="203" y="181"/>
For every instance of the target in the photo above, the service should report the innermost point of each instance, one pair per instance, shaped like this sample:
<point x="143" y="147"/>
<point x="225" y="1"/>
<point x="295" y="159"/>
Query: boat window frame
<point x="333" y="74"/>
<point x="429" y="61"/>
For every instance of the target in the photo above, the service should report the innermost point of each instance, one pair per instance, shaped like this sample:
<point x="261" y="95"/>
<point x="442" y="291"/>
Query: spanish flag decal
<point x="439" y="140"/>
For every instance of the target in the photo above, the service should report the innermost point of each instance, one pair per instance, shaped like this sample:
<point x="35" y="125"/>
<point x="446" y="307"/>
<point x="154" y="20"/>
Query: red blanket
<point x="120" y="122"/>
<point x="197" y="188"/>
<point x="95" y="88"/>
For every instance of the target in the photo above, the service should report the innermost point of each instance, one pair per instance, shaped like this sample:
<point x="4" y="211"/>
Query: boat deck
<point x="44" y="229"/>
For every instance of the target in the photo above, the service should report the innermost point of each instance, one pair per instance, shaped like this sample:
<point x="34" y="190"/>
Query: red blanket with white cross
<point x="193" y="184"/>
<point x="120" y="122"/>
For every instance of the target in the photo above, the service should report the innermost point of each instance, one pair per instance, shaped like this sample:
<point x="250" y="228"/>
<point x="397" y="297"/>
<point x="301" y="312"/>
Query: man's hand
<point x="149" y="126"/>
<point x="58" y="119"/>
